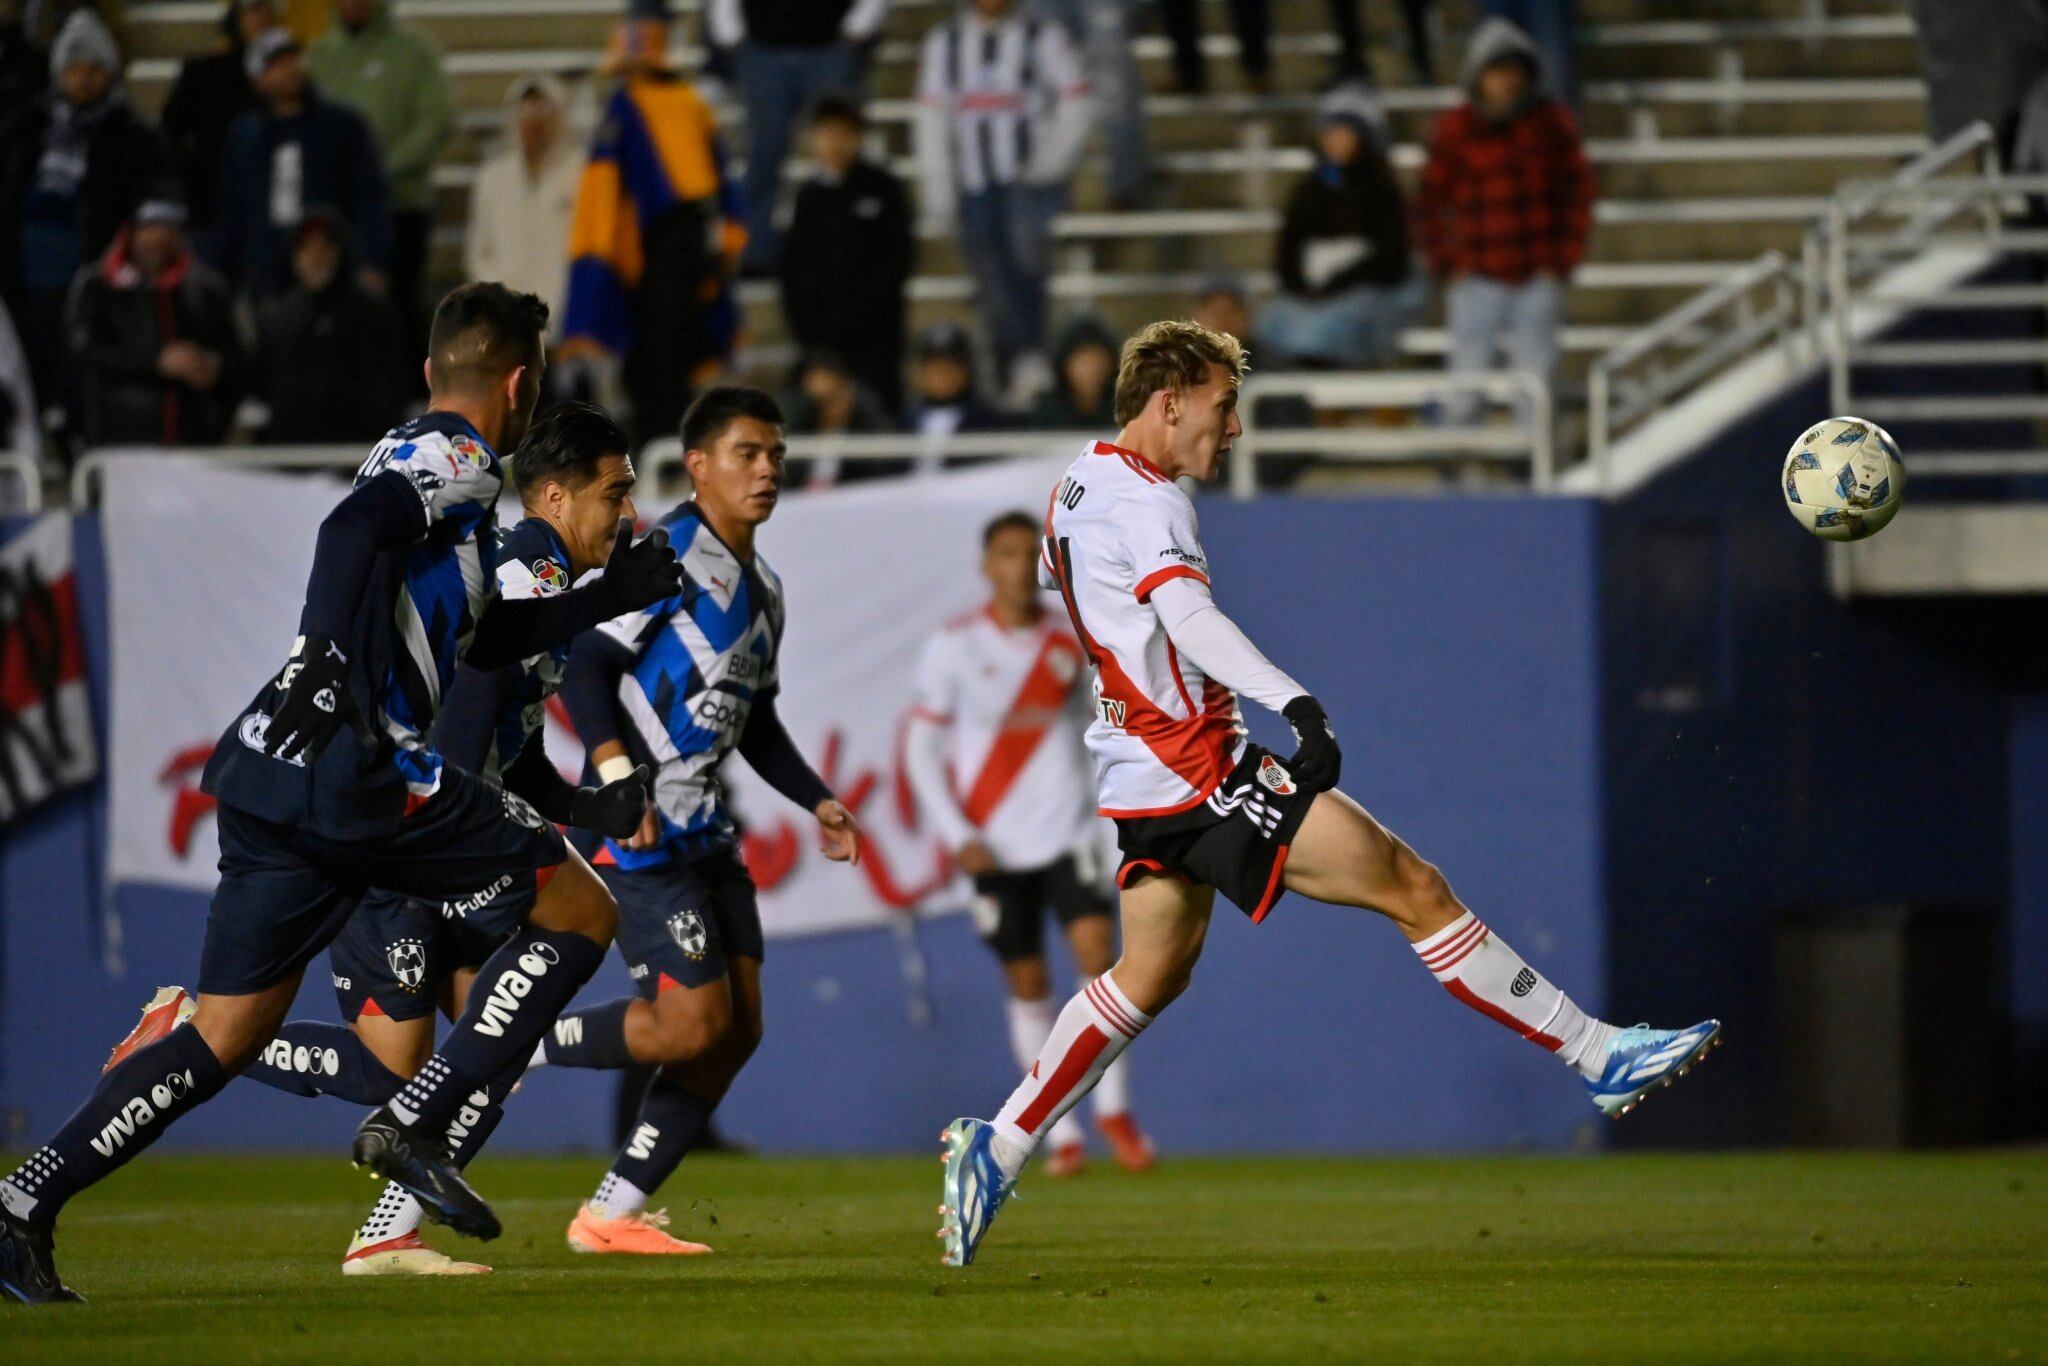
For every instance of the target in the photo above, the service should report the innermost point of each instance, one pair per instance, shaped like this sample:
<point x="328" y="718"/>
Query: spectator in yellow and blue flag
<point x="655" y="239"/>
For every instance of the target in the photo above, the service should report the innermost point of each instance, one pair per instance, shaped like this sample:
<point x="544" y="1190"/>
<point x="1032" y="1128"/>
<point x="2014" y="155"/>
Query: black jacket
<point x="210" y="94"/>
<point x="330" y="363"/>
<point x="125" y="162"/>
<point x="845" y="262"/>
<point x="116" y="325"/>
<point x="1345" y="210"/>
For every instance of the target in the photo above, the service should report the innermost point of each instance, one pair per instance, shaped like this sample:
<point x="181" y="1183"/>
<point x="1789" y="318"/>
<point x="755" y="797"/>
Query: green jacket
<point x="393" y="77"/>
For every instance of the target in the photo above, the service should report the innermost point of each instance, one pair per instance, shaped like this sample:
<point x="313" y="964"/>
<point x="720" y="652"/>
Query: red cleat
<point x="168" y="1009"/>
<point x="1127" y="1143"/>
<point x="1069" y="1159"/>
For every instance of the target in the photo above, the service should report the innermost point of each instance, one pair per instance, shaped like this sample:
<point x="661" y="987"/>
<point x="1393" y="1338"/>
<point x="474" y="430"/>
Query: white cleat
<point x="404" y="1255"/>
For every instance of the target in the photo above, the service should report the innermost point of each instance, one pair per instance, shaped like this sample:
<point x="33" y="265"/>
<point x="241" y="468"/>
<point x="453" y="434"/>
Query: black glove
<point x="1316" y="760"/>
<point x="315" y="702"/>
<point x="616" y="809"/>
<point x="639" y="573"/>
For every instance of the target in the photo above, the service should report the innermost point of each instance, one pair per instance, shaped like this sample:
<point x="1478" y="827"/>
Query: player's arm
<point x="925" y="743"/>
<point x="590" y="691"/>
<point x="614" y="809"/>
<point x="381" y="513"/>
<point x="638" y="574"/>
<point x="1201" y="631"/>
<point x="768" y="749"/>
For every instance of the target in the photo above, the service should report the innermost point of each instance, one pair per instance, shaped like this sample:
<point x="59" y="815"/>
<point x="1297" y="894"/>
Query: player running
<point x="398" y="959"/>
<point x="678" y="686"/>
<point x="1198" y="809"/>
<point x="310" y="818"/>
<point x="998" y="765"/>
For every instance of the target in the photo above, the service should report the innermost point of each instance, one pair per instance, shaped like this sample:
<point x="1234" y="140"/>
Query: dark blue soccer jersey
<point x="492" y="715"/>
<point x="694" y="664"/>
<point x="421" y="605"/>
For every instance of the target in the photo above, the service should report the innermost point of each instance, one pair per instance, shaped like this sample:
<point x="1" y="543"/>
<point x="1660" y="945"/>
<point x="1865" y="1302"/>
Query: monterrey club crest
<point x="408" y="960"/>
<point x="687" y="929"/>
<point x="518" y="809"/>
<point x="1273" y="776"/>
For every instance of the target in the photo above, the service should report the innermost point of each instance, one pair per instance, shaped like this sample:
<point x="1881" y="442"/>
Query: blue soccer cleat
<point x="975" y="1189"/>
<point x="1640" y="1059"/>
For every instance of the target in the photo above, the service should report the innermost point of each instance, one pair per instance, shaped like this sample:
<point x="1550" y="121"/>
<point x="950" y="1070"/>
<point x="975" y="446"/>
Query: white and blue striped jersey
<point x="694" y="664"/>
<point x="491" y="717"/>
<point x="421" y="605"/>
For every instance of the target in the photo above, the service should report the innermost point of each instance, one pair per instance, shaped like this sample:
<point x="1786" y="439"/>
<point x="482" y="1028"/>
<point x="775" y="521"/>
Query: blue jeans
<point x="1102" y="31"/>
<point x="1486" y="316"/>
<point x="778" y="85"/>
<point x="1006" y="240"/>
<point x="1360" y="327"/>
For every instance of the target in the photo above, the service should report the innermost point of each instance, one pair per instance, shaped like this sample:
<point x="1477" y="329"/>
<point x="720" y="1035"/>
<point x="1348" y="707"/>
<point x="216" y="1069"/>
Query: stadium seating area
<point x="1713" y="136"/>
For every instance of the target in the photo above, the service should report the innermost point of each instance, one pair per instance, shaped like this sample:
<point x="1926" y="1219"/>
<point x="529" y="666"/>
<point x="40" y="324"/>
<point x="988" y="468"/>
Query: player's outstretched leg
<point x="1092" y="939"/>
<point x="518" y="993"/>
<point x="136" y="1100"/>
<point x="1031" y="1024"/>
<point x="1165" y="922"/>
<point x="1343" y="856"/>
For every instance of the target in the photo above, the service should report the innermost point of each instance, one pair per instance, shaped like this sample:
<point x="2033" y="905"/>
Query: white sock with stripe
<point x="1476" y="967"/>
<point x="1112" y="1095"/>
<point x="1030" y="1026"/>
<point x="1091" y="1032"/>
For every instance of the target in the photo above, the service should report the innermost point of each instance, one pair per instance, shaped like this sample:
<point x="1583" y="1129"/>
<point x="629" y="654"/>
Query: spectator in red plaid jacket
<point x="1504" y="207"/>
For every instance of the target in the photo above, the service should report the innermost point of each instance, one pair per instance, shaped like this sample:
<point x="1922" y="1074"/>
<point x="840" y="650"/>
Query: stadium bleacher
<point x="1715" y="138"/>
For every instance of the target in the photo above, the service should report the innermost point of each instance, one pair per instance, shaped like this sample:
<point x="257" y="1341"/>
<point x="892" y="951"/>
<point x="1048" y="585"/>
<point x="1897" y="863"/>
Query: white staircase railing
<point x="20" y="468"/>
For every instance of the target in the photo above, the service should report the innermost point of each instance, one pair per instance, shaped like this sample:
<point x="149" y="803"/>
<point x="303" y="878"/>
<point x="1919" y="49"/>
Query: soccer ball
<point x="1843" y="479"/>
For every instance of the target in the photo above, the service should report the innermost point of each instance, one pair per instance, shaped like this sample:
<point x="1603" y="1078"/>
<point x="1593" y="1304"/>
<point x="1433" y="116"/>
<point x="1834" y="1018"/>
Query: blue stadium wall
<point x="1457" y="641"/>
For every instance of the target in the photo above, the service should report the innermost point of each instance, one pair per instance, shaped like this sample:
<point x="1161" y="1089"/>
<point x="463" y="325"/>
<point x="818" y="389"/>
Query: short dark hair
<point x="1009" y="521"/>
<point x="481" y="333"/>
<point x="716" y="409"/>
<point x="565" y="444"/>
<point x="837" y="107"/>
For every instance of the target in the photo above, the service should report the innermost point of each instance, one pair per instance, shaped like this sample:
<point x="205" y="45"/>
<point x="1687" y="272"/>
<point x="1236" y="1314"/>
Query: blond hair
<point x="1174" y="354"/>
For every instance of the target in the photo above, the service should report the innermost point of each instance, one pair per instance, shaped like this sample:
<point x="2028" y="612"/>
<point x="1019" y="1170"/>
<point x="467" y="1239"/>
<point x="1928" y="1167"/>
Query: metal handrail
<point x="23" y="467"/>
<point x="662" y="459"/>
<point x="1529" y="435"/>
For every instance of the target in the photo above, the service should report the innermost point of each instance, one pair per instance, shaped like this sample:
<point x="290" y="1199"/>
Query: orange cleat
<point x="169" y="1008"/>
<point x="1127" y="1143"/>
<point x="634" y="1233"/>
<point x="1069" y="1159"/>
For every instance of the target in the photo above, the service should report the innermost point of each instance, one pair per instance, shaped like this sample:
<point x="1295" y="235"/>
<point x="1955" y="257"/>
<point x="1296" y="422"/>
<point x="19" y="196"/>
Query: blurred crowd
<point x="254" y="264"/>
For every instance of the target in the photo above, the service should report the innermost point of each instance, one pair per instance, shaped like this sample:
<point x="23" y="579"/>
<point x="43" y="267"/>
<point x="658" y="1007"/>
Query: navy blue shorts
<point x="394" y="954"/>
<point x="285" y="893"/>
<point x="681" y="921"/>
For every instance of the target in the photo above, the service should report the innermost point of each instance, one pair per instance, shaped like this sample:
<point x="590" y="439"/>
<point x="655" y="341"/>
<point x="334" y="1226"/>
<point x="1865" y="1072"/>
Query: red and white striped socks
<point x="1030" y="1026"/>
<point x="1476" y="967"/>
<point x="1091" y="1032"/>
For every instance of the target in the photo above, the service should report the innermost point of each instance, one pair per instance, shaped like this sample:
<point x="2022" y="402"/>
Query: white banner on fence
<point x="207" y="571"/>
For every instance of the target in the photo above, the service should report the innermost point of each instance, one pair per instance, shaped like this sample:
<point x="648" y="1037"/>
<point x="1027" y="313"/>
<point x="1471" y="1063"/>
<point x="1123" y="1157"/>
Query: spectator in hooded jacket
<point x="1503" y="211"/>
<point x="849" y="255"/>
<point x="294" y="150"/>
<point x="1347" y="286"/>
<point x="524" y="197"/>
<point x="152" y="337"/>
<point x="829" y="402"/>
<point x="332" y="358"/>
<point x="393" y="77"/>
<point x="73" y="166"/>
<point x="211" y="92"/>
<point x="1083" y="395"/>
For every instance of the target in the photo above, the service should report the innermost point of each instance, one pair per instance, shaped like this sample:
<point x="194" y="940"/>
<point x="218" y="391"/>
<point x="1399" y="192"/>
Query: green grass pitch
<point x="1835" y="1257"/>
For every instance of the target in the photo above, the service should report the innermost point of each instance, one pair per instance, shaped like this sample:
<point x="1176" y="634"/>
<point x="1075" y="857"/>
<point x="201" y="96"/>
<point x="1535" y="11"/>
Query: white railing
<point x="1803" y="304"/>
<point x="661" y="461"/>
<point x="20" y="466"/>
<point x="1525" y="437"/>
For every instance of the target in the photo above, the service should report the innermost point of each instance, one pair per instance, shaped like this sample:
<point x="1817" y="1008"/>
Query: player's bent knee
<point x="575" y="900"/>
<point x="1424" y="895"/>
<point x="237" y="1027"/>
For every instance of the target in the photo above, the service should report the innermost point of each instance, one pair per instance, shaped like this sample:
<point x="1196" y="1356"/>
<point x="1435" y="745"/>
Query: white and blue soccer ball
<point x="1844" y="479"/>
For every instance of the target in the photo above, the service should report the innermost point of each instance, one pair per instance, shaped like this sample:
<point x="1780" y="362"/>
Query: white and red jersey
<point x="1163" y="734"/>
<point x="996" y="751"/>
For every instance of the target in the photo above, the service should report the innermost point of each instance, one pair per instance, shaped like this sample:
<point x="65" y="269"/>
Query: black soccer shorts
<point x="285" y="893"/>
<point x="1009" y="906"/>
<point x="1236" y="841"/>
<point x="681" y="922"/>
<point x="394" y="954"/>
